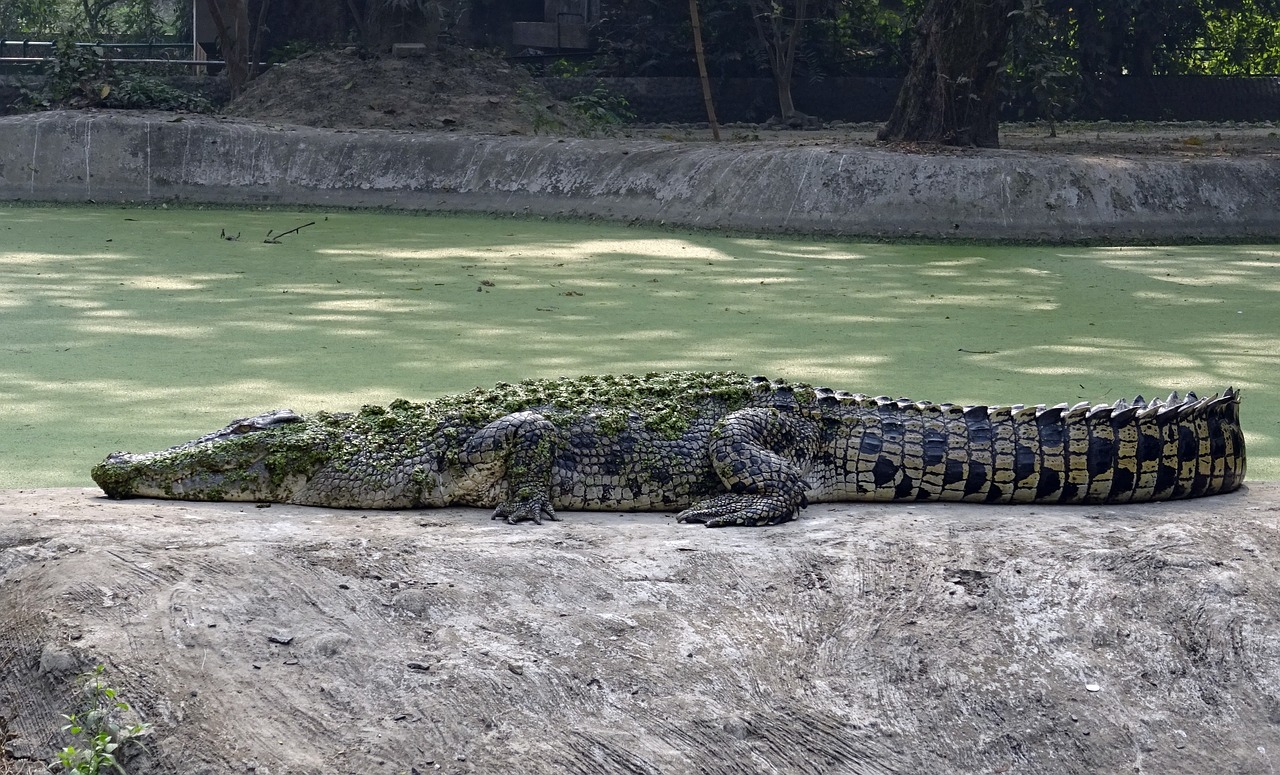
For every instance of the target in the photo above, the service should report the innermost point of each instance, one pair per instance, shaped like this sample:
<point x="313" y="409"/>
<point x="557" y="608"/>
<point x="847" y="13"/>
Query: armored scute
<point x="719" y="448"/>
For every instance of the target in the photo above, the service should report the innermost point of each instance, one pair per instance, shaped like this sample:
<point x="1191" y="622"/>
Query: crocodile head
<point x="265" y="458"/>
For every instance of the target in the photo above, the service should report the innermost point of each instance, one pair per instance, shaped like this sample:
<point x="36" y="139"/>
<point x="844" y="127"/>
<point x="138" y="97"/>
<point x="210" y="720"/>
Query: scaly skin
<point x="720" y="448"/>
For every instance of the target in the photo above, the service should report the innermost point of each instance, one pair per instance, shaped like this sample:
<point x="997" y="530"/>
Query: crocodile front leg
<point x="761" y="455"/>
<point x="525" y="443"/>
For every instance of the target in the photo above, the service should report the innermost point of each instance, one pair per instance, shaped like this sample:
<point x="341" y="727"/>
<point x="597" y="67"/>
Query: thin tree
<point x="240" y="42"/>
<point x="950" y="93"/>
<point x="780" y="29"/>
<point x="702" y="70"/>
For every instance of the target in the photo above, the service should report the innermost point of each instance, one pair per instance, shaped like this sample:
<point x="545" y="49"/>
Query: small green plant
<point x="78" y="77"/>
<point x="100" y="727"/>
<point x="603" y="110"/>
<point x="564" y="68"/>
<point x="145" y="91"/>
<point x="74" y="72"/>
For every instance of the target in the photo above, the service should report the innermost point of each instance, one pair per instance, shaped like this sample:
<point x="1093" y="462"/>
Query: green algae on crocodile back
<point x="718" y="447"/>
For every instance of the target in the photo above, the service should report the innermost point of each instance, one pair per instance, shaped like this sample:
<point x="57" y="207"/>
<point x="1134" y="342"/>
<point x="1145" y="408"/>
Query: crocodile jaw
<point x="270" y="457"/>
<point x="194" y="477"/>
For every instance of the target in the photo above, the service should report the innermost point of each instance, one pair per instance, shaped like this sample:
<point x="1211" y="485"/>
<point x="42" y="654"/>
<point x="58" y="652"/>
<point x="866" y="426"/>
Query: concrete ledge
<point x="996" y="195"/>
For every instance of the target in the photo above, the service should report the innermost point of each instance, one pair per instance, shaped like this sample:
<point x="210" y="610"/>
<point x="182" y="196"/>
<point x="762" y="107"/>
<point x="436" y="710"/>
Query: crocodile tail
<point x="1129" y="451"/>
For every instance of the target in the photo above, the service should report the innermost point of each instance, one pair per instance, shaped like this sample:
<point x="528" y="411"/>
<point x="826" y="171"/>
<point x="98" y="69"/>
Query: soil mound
<point x="452" y="89"/>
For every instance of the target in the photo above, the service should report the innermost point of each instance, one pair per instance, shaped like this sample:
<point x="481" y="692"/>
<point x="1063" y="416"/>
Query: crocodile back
<point x="1130" y="451"/>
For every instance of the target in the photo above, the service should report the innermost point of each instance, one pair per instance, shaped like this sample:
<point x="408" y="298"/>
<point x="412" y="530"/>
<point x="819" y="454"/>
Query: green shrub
<point x="100" y="725"/>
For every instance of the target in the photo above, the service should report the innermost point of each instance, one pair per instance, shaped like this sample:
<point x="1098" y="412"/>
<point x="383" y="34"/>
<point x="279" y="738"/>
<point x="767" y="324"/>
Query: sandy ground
<point x="872" y="638"/>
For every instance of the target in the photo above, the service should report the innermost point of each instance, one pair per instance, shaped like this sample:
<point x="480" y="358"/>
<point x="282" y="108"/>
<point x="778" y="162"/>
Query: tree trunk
<point x="239" y="41"/>
<point x="702" y="70"/>
<point x="949" y="95"/>
<point x="780" y="37"/>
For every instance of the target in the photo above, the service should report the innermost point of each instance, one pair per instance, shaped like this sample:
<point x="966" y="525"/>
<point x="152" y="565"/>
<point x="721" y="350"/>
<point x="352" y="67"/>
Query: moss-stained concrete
<point x="1003" y="195"/>
<point x="141" y="328"/>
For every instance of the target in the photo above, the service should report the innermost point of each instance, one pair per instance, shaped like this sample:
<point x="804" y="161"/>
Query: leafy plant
<point x="1037" y="66"/>
<point x="603" y="110"/>
<point x="145" y="91"/>
<point x="100" y="726"/>
<point x="74" y="71"/>
<point x="79" y="77"/>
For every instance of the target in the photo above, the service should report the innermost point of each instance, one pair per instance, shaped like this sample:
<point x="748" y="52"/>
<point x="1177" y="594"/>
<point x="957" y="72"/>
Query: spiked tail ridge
<point x="1130" y="451"/>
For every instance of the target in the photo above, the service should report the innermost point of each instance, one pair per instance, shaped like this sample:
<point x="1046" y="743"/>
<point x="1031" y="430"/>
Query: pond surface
<point x="139" y="328"/>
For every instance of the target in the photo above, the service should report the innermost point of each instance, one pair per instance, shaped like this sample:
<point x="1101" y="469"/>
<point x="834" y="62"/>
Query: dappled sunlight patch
<point x="758" y="280"/>
<point x="654" y="334"/>
<point x="168" y="283"/>
<point x="1262" y="251"/>
<point x="138" y="327"/>
<point x="358" y="333"/>
<point x="844" y="319"/>
<point x="824" y="372"/>
<point x="1090" y="359"/>
<point x="264" y="326"/>
<point x="376" y="304"/>
<point x="957" y="262"/>
<point x="593" y="248"/>
<point x="1174" y="298"/>
<point x="1199" y="270"/>
<point x="15" y="258"/>
<point x="108" y="313"/>
<point x="44" y="396"/>
<point x="983" y="300"/>
<point x="1238" y="342"/>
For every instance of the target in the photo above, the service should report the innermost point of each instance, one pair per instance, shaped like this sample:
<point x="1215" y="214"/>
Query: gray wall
<point x="1001" y="195"/>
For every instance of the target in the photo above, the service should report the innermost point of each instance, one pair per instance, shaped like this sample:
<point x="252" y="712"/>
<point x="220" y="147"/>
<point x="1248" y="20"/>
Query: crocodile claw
<point x="742" y="509"/>
<point x="533" y="509"/>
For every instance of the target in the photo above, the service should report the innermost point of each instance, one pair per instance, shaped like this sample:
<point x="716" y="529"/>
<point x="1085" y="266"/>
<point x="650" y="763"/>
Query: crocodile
<point x="719" y="448"/>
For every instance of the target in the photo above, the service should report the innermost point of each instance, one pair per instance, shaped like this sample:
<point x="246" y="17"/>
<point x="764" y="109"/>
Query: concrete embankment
<point x="829" y="190"/>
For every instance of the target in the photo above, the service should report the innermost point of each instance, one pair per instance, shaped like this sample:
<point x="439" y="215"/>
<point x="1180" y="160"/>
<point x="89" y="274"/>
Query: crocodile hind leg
<point x="761" y="456"/>
<point x="525" y="442"/>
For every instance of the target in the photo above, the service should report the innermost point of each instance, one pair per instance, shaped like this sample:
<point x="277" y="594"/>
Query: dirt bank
<point x="860" y="639"/>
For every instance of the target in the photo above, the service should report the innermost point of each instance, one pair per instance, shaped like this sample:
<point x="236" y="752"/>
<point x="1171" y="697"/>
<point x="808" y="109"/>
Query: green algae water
<point x="135" y="329"/>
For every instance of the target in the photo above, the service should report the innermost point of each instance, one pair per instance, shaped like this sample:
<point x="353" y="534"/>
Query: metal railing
<point x="33" y="52"/>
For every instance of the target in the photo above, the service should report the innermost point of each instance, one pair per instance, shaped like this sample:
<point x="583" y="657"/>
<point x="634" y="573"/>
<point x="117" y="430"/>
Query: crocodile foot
<point x="744" y="509"/>
<point x="535" y="509"/>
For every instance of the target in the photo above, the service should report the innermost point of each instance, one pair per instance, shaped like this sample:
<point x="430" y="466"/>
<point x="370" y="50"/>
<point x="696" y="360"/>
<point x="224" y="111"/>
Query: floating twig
<point x="270" y="240"/>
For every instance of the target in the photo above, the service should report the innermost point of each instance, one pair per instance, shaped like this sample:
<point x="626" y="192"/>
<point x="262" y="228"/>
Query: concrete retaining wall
<point x="1000" y="195"/>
